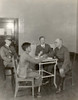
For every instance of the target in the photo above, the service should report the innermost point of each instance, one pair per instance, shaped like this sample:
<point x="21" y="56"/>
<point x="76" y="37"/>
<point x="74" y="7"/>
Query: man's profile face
<point x="29" y="48"/>
<point x="42" y="41"/>
<point x="57" y="43"/>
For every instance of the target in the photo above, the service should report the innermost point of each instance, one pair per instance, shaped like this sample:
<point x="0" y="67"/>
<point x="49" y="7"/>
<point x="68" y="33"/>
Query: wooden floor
<point x="48" y="92"/>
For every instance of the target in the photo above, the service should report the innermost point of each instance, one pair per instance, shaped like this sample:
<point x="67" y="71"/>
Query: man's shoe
<point x="45" y="83"/>
<point x="58" y="91"/>
<point x="38" y="94"/>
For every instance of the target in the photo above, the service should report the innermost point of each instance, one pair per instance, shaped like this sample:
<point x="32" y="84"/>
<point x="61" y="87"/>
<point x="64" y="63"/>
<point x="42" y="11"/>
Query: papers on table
<point x="48" y="59"/>
<point x="38" y="57"/>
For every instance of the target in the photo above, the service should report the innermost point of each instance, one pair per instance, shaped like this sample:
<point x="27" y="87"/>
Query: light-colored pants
<point x="33" y="74"/>
<point x="36" y="76"/>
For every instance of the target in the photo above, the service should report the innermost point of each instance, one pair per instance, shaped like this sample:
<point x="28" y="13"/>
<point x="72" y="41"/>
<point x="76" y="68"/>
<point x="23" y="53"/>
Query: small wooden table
<point x="41" y="70"/>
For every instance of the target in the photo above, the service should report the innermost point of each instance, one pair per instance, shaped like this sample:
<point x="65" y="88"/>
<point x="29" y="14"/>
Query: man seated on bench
<point x="25" y="69"/>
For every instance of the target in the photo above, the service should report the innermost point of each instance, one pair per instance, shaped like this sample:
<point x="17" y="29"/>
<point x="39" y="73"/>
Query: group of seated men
<point x="43" y="51"/>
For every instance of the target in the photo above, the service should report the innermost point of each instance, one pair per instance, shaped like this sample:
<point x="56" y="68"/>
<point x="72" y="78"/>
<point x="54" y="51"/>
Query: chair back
<point x="15" y="65"/>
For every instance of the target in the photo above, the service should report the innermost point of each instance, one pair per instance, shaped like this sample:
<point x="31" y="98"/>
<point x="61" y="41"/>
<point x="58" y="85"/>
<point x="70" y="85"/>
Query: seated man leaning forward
<point x="25" y="68"/>
<point x="64" y="65"/>
<point x="44" y="49"/>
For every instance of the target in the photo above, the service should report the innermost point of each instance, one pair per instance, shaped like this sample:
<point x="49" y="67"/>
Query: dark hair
<point x="41" y="37"/>
<point x="25" y="45"/>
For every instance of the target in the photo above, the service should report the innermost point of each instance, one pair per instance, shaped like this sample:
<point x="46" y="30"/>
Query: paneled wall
<point x="51" y="18"/>
<point x="77" y="41"/>
<point x="77" y="31"/>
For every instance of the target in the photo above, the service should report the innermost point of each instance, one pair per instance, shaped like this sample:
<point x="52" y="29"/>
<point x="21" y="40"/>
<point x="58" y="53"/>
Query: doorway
<point x="9" y="27"/>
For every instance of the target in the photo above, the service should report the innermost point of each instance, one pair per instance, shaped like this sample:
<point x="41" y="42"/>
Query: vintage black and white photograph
<point x="38" y="49"/>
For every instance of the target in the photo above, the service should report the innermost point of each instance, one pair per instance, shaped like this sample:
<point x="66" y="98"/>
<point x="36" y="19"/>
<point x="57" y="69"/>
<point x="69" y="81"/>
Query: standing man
<point x="64" y="65"/>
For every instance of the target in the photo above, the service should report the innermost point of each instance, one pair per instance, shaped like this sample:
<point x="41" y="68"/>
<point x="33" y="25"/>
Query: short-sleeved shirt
<point x="25" y="64"/>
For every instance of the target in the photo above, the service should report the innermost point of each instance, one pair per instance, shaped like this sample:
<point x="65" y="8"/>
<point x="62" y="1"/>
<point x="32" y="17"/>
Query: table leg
<point x="41" y="70"/>
<point x="55" y="76"/>
<point x="40" y="73"/>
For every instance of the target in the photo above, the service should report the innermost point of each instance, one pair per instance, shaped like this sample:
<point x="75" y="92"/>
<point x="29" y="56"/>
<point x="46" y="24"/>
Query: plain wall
<point x="51" y="18"/>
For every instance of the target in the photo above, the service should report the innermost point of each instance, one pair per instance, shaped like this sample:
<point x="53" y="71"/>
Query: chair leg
<point x="4" y="71"/>
<point x="16" y="92"/>
<point x="39" y="89"/>
<point x="12" y="77"/>
<point x="32" y="88"/>
<point x="12" y="80"/>
<point x="4" y="74"/>
<point x="16" y="89"/>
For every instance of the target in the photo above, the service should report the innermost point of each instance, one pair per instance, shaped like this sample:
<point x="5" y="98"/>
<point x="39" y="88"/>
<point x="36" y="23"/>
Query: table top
<point x="49" y="59"/>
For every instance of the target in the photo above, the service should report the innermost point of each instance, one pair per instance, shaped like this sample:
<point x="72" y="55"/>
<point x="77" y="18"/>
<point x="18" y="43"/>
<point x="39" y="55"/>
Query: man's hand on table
<point x="40" y="53"/>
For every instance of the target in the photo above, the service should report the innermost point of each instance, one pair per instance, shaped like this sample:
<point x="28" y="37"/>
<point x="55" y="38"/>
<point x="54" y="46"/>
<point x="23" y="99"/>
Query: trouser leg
<point x="38" y="82"/>
<point x="61" y="83"/>
<point x="61" y="80"/>
<point x="38" y="79"/>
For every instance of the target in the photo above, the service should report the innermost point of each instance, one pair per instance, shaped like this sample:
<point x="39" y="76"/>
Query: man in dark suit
<point x="64" y="65"/>
<point x="44" y="49"/>
<point x="6" y="52"/>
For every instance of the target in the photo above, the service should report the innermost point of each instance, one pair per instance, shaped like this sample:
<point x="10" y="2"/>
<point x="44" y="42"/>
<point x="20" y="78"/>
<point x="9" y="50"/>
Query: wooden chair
<point x="18" y="80"/>
<point x="69" y="75"/>
<point x="68" y="82"/>
<point x="8" y="68"/>
<point x="7" y="71"/>
<point x="11" y="74"/>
